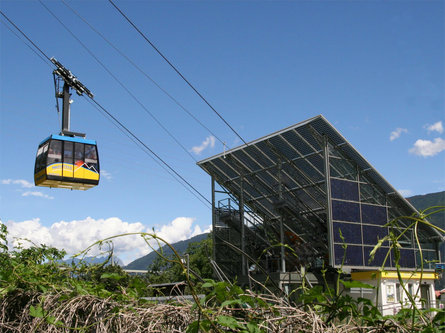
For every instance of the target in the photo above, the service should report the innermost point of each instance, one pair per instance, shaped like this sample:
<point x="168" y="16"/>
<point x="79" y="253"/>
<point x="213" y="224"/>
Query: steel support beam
<point x="243" y="231"/>
<point x="213" y="219"/>
<point x="328" y="202"/>
<point x="66" y="108"/>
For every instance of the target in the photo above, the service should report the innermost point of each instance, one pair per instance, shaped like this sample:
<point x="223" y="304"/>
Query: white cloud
<point x="23" y="183"/>
<point x="436" y="127"/>
<point x="208" y="142"/>
<point x="179" y="229"/>
<point x="428" y="148"/>
<point x="406" y="193"/>
<point x="397" y="133"/>
<point x="106" y="174"/>
<point x="36" y="194"/>
<point x="75" y="236"/>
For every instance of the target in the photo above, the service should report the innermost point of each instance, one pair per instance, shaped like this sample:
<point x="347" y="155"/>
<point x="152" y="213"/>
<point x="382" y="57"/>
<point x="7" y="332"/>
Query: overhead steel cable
<point x="29" y="46"/>
<point x="27" y="38"/>
<point x="184" y="181"/>
<point x="176" y="70"/>
<point x="120" y="83"/>
<point x="143" y="72"/>
<point x="51" y="65"/>
<point x="133" y="137"/>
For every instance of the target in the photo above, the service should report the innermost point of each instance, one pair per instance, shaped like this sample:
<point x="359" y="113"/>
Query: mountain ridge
<point x="421" y="202"/>
<point x="181" y="246"/>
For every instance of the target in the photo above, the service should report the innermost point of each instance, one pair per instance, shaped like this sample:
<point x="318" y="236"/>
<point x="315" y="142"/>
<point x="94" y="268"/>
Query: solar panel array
<point x="308" y="187"/>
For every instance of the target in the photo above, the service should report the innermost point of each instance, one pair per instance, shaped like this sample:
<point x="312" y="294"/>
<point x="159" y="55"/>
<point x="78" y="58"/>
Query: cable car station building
<point x="289" y="202"/>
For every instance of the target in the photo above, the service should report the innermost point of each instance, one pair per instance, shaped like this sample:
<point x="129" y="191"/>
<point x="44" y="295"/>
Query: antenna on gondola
<point x="70" y="81"/>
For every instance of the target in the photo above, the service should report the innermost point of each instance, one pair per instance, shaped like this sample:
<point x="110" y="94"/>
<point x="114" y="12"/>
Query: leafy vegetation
<point x="38" y="293"/>
<point x="195" y="258"/>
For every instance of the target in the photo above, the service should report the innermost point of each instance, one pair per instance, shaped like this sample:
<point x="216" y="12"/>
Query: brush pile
<point x="37" y="312"/>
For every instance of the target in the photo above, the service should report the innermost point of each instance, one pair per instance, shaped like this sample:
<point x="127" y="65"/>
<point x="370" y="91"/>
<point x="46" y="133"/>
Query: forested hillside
<point x="147" y="260"/>
<point x="422" y="202"/>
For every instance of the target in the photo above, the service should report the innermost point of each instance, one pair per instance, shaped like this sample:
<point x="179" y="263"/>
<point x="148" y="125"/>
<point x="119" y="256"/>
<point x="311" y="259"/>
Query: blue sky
<point x="374" y="69"/>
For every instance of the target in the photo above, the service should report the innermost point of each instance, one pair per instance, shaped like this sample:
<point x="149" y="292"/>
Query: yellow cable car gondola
<point x="67" y="160"/>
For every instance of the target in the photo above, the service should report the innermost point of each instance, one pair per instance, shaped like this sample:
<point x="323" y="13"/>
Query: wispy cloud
<point x="436" y="127"/>
<point x="106" y="174"/>
<point x="397" y="133"/>
<point x="406" y="193"/>
<point x="208" y="142"/>
<point x="427" y="148"/>
<point x="36" y="194"/>
<point x="23" y="183"/>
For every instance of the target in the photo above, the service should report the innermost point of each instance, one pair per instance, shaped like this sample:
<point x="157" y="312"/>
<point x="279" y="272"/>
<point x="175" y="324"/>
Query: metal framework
<point x="69" y="82"/>
<point x="279" y="204"/>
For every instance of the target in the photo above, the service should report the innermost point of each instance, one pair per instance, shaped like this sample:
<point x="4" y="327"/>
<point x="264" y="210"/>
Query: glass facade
<point x="360" y="214"/>
<point x="309" y="189"/>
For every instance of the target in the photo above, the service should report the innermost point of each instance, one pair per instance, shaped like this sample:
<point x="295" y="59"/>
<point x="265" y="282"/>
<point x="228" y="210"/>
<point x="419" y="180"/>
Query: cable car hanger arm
<point x="70" y="79"/>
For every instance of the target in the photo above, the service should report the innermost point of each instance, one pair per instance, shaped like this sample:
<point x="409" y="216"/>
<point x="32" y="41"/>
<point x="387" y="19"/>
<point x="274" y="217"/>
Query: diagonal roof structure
<point x="300" y="186"/>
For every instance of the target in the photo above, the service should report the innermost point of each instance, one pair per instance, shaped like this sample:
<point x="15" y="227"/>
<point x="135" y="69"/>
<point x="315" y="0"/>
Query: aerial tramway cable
<point x="138" y="68"/>
<point x="146" y="151"/>
<point x="176" y="70"/>
<point x="24" y="35"/>
<point x="184" y="181"/>
<point x="120" y="83"/>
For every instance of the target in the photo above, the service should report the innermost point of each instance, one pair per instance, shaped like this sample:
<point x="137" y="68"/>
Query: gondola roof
<point x="69" y="138"/>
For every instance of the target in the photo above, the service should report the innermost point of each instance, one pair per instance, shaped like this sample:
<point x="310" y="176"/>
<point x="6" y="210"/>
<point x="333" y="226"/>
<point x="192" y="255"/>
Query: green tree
<point x="165" y="270"/>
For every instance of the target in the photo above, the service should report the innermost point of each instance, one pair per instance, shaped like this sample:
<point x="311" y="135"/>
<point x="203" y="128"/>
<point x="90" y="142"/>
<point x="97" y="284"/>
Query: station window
<point x="90" y="154"/>
<point x="91" y="157"/>
<point x="68" y="152"/>
<point x="41" y="157"/>
<point x="398" y="292"/>
<point x="54" y="152"/>
<point x="78" y="154"/>
<point x="390" y="293"/>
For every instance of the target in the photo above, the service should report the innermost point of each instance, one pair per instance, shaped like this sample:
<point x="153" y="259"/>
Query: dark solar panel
<point x="345" y="190"/>
<point x="379" y="256"/>
<point x="351" y="233"/>
<point x="353" y="256"/>
<point x="406" y="258"/>
<point x="429" y="258"/>
<point x="374" y="214"/>
<point x="345" y="211"/>
<point x="371" y="234"/>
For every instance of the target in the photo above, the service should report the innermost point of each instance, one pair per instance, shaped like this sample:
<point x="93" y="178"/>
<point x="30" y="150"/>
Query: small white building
<point x="390" y="295"/>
